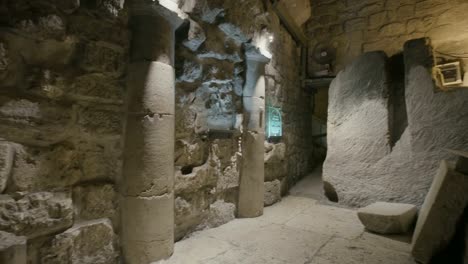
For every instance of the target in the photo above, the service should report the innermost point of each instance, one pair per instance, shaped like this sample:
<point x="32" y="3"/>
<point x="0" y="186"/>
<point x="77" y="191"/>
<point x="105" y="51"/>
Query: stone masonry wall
<point x="210" y="71"/>
<point x="62" y="68"/>
<point x="357" y="26"/>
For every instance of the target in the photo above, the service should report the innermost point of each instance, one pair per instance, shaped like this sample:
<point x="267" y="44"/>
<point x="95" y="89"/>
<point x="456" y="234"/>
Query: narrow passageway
<point x="296" y="230"/>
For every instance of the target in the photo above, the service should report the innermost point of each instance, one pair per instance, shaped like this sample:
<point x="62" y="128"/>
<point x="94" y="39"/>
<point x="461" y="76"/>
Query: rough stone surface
<point x="275" y="165"/>
<point x="367" y="161"/>
<point x="384" y="25"/>
<point x="91" y="242"/>
<point x="7" y="155"/>
<point x="12" y="249"/>
<point x="388" y="218"/>
<point x="36" y="214"/>
<point x="62" y="86"/>
<point x="440" y="213"/>
<point x="272" y="192"/>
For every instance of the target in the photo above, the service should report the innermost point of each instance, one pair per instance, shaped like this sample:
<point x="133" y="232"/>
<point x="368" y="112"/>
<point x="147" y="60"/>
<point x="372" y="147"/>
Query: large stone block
<point x="12" y="249"/>
<point x="148" y="228"/>
<point x="7" y="155"/>
<point x="275" y="161"/>
<point x="92" y="242"/>
<point x="95" y="202"/>
<point x="272" y="192"/>
<point x="36" y="214"/>
<point x="440" y="213"/>
<point x="388" y="218"/>
<point x="196" y="36"/>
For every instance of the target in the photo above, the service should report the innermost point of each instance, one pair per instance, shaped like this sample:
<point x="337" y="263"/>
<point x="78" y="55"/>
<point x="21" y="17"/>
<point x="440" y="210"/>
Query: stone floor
<point x="298" y="230"/>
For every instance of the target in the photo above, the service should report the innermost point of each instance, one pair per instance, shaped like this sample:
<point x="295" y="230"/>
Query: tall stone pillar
<point x="251" y="186"/>
<point x="147" y="186"/>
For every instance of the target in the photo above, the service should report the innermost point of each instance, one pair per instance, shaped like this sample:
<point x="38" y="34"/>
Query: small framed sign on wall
<point x="274" y="122"/>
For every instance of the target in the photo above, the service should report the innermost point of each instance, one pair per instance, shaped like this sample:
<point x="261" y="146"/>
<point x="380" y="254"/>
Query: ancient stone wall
<point x="210" y="71"/>
<point x="357" y="26"/>
<point x="62" y="68"/>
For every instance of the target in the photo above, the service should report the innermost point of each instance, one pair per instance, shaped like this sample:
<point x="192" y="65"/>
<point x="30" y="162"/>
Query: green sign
<point x="275" y="124"/>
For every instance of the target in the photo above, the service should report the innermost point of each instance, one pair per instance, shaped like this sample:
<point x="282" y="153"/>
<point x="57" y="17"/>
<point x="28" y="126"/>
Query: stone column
<point x="147" y="187"/>
<point x="251" y="186"/>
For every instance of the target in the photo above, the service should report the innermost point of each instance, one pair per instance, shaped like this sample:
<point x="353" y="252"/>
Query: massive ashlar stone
<point x="388" y="218"/>
<point x="12" y="249"/>
<point x="440" y="213"/>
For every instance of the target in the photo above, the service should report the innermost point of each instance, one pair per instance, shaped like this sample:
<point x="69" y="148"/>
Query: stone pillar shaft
<point x="251" y="186"/>
<point x="147" y="187"/>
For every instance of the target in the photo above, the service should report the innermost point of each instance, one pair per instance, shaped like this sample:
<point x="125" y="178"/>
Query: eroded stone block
<point x="442" y="209"/>
<point x="92" y="242"/>
<point x="12" y="249"/>
<point x="272" y="192"/>
<point x="388" y="218"/>
<point x="36" y="214"/>
<point x="7" y="154"/>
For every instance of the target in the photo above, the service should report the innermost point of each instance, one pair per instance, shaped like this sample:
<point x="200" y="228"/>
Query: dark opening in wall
<point x="397" y="103"/>
<point x="186" y="170"/>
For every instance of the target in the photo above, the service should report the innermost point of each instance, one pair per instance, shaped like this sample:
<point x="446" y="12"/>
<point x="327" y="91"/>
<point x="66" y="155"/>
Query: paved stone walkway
<point x="296" y="230"/>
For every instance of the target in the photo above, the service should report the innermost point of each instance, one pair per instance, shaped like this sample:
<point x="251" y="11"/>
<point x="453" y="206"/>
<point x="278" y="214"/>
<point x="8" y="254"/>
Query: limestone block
<point x="94" y="202"/>
<point x="388" y="218"/>
<point x="51" y="26"/>
<point x="102" y="119"/>
<point x="149" y="228"/>
<point x="97" y="87"/>
<point x="392" y="29"/>
<point x="36" y="214"/>
<point x="103" y="57"/>
<point x="12" y="249"/>
<point x="251" y="187"/>
<point x="149" y="155"/>
<point x="151" y="88"/>
<point x="92" y="242"/>
<point x="220" y="213"/>
<point x="196" y="179"/>
<point x="7" y="155"/>
<point x="47" y="52"/>
<point x="272" y="192"/>
<point x="196" y="36"/>
<point x="275" y="161"/>
<point x="442" y="209"/>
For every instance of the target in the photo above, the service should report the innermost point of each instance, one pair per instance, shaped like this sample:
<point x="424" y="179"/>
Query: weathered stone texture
<point x="12" y="249"/>
<point x="91" y="242"/>
<point x="209" y="89"/>
<point x="36" y="214"/>
<point x="388" y="218"/>
<point x="385" y="25"/>
<point x="365" y="162"/>
<point x="61" y="66"/>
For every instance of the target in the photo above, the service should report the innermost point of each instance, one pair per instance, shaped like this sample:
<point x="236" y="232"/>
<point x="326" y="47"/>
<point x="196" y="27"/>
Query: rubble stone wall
<point x="62" y="75"/>
<point x="210" y="71"/>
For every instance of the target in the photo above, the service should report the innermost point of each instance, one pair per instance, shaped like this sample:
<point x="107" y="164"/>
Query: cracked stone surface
<point x="296" y="230"/>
